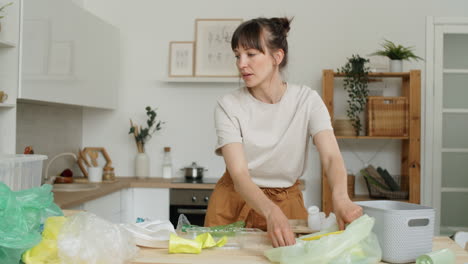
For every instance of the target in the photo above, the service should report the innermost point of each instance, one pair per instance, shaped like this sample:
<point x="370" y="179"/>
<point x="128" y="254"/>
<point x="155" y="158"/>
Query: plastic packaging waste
<point x="151" y="233"/>
<point x="86" y="238"/>
<point x="356" y="245"/>
<point x="314" y="221"/>
<point x="443" y="256"/>
<point x="318" y="221"/>
<point x="181" y="245"/>
<point x="329" y="222"/>
<point x="21" y="215"/>
<point x="46" y="251"/>
<point x="183" y="225"/>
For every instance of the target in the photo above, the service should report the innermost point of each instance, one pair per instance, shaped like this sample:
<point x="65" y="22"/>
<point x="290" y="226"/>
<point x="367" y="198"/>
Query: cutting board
<point x="208" y="256"/>
<point x="252" y="256"/>
<point x="299" y="227"/>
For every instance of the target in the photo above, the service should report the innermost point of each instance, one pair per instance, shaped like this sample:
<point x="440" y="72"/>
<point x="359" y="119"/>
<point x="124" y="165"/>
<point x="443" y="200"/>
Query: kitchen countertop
<point x="71" y="199"/>
<point x="252" y="256"/>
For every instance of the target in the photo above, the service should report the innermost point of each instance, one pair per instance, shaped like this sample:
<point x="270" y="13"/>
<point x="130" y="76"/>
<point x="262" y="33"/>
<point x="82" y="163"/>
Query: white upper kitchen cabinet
<point x="9" y="77"/>
<point x="68" y="55"/>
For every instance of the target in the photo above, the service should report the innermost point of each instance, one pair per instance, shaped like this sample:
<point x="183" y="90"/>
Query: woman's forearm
<point x="237" y="166"/>
<point x="252" y="194"/>
<point x="337" y="176"/>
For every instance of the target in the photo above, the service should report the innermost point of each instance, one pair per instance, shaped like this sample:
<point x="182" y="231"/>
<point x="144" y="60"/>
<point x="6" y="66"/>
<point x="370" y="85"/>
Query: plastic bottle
<point x="314" y="218"/>
<point x="167" y="163"/>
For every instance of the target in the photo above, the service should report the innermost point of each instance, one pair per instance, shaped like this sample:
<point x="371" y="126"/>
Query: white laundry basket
<point x="20" y="172"/>
<point x="405" y="231"/>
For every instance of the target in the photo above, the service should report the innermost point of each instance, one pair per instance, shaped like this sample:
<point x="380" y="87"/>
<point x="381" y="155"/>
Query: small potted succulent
<point x="1" y="13"/>
<point x="397" y="54"/>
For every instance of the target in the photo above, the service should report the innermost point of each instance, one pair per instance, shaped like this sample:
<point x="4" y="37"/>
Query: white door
<point x="450" y="124"/>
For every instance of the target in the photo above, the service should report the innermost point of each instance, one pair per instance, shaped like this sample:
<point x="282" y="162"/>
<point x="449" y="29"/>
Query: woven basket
<point x="344" y="127"/>
<point x="377" y="192"/>
<point x="387" y="116"/>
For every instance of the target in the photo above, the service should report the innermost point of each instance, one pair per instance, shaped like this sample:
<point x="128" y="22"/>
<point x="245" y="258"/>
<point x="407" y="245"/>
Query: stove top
<point x="202" y="180"/>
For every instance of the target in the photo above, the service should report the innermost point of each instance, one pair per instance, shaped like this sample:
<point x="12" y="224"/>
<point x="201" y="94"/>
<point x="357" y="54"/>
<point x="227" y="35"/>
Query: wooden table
<point x="231" y="256"/>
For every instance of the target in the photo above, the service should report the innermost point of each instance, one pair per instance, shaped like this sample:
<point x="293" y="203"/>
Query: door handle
<point x="191" y="211"/>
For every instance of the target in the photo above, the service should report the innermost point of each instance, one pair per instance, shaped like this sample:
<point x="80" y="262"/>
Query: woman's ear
<point x="278" y="56"/>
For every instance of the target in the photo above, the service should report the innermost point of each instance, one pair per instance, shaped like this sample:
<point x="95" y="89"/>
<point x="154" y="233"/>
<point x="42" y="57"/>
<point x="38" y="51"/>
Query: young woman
<point x="264" y="130"/>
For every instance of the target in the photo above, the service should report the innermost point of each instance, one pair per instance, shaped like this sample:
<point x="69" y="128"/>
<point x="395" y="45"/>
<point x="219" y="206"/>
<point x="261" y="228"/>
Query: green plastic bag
<point x="21" y="215"/>
<point x="356" y="245"/>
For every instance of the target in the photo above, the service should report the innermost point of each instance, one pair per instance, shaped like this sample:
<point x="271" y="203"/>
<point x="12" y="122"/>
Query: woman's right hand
<point x="278" y="228"/>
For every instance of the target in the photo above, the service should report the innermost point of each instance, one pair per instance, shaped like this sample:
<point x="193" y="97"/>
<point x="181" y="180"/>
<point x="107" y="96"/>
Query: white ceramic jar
<point x="142" y="169"/>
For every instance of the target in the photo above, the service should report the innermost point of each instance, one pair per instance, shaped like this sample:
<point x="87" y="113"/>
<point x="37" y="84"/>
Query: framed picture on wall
<point x="213" y="53"/>
<point x="181" y="58"/>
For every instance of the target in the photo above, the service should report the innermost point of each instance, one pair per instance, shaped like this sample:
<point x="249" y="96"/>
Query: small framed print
<point x="181" y="58"/>
<point x="213" y="53"/>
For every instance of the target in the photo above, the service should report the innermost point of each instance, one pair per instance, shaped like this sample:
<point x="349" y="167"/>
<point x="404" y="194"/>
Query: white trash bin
<point x="404" y="230"/>
<point x="20" y="172"/>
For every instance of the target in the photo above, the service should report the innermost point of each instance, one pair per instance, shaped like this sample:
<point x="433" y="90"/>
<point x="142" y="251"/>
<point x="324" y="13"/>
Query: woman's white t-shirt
<point x="275" y="137"/>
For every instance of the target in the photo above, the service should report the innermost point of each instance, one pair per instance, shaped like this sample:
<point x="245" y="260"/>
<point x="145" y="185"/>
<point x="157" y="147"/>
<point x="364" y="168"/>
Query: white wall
<point x="50" y="130"/>
<point x="323" y="34"/>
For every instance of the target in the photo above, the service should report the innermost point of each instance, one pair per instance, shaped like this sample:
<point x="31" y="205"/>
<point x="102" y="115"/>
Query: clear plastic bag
<point x="46" y="251"/>
<point x="21" y="215"/>
<point x="356" y="245"/>
<point x="151" y="233"/>
<point x="86" y="238"/>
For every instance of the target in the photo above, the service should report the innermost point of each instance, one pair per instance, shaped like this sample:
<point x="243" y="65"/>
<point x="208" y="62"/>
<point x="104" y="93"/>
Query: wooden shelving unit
<point x="411" y="144"/>
<point x="7" y="44"/>
<point x="5" y="105"/>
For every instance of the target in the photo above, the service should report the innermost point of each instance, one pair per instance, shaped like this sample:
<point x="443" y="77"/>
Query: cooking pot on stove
<point x="193" y="172"/>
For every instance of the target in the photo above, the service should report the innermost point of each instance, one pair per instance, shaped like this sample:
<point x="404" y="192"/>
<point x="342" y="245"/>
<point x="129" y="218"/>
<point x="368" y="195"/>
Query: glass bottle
<point x="167" y="163"/>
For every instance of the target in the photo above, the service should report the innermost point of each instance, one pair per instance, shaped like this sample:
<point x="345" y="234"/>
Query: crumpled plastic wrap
<point x="86" y="238"/>
<point x="356" y="245"/>
<point x="21" y="215"/>
<point x="151" y="233"/>
<point x="181" y="245"/>
<point x="46" y="251"/>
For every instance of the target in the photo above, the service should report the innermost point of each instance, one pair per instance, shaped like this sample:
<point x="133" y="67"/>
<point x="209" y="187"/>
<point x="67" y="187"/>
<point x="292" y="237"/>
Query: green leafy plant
<point x="355" y="83"/>
<point x="143" y="135"/>
<point x="396" y="52"/>
<point x="3" y="7"/>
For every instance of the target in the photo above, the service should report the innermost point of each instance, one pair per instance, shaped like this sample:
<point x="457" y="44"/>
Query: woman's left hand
<point x="346" y="211"/>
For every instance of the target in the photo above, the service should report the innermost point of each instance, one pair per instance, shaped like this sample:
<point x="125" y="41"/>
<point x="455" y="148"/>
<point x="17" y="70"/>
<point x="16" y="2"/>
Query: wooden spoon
<point x="82" y="155"/>
<point x="93" y="155"/>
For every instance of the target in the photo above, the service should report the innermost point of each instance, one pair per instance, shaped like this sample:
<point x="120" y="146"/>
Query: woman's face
<point x="256" y="68"/>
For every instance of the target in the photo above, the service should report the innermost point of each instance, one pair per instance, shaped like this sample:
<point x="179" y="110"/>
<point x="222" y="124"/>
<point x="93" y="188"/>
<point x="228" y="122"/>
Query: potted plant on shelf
<point x="1" y="12"/>
<point x="356" y="84"/>
<point x="397" y="54"/>
<point x="142" y="136"/>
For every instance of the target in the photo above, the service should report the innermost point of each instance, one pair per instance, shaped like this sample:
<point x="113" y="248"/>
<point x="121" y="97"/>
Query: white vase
<point x="396" y="66"/>
<point x="142" y="169"/>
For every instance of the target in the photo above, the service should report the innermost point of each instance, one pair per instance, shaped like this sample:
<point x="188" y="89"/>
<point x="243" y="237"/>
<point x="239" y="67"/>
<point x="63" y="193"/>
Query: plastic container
<point x="443" y="256"/>
<point x="313" y="221"/>
<point x="21" y="172"/>
<point x="404" y="230"/>
<point x="237" y="237"/>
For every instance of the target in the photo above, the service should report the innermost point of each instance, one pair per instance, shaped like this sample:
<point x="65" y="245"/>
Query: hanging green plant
<point x="355" y="83"/>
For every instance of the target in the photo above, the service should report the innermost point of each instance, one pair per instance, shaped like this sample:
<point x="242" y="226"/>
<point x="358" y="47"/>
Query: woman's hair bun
<point x="282" y="23"/>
